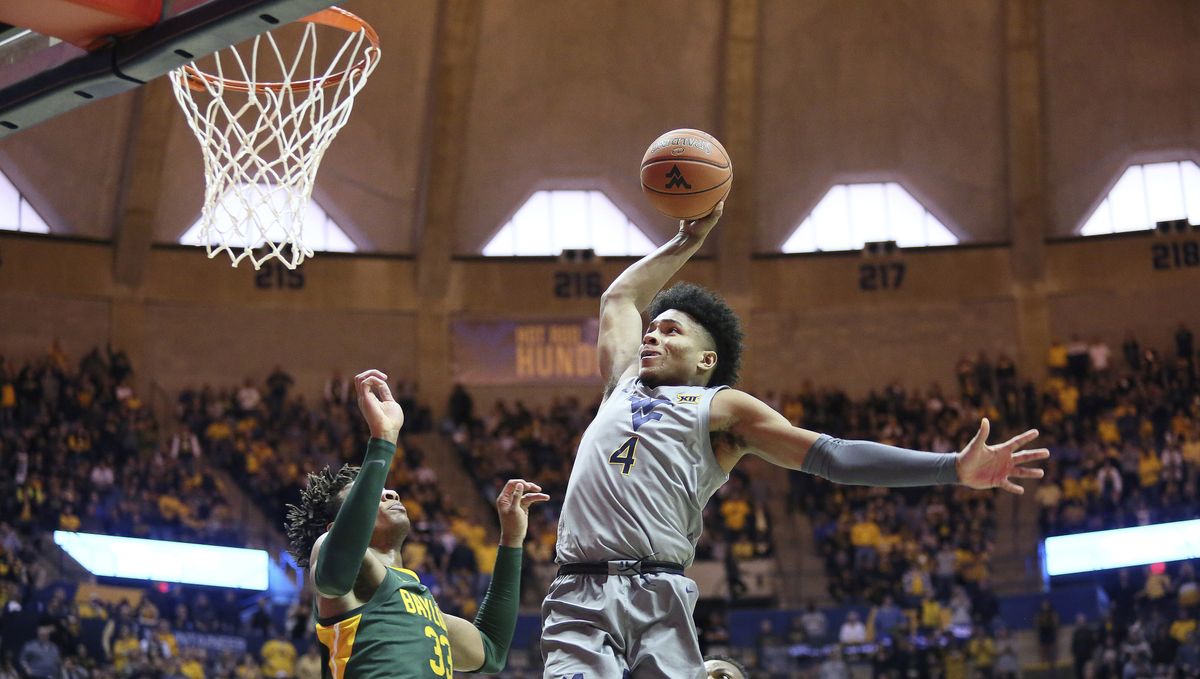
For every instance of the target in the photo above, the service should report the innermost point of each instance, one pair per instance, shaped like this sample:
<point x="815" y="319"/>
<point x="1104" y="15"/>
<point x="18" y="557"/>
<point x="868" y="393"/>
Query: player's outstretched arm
<point x="341" y="553"/>
<point x="483" y="646"/>
<point x="621" y="305"/>
<point x="769" y="435"/>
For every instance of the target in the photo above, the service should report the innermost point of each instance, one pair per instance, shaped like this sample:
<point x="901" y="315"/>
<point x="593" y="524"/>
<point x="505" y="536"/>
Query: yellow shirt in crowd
<point x="734" y="512"/>
<point x="279" y="658"/>
<point x="1149" y="469"/>
<point x="192" y="668"/>
<point x="865" y="534"/>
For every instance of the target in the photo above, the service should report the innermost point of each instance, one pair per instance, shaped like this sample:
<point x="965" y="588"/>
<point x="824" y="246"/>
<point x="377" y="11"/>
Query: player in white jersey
<point x="666" y="436"/>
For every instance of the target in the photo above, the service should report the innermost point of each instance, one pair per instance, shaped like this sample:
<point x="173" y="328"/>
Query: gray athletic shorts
<point x="615" y="626"/>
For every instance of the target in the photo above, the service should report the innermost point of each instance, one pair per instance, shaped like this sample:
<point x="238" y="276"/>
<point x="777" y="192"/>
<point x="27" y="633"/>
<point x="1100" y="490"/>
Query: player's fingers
<point x="1020" y="439"/>
<point x="516" y="490"/>
<point x="372" y="386"/>
<point x="370" y="373"/>
<point x="981" y="436"/>
<point x="1030" y="456"/>
<point x="1028" y="473"/>
<point x="530" y="485"/>
<point x="363" y="385"/>
<point x="384" y="391"/>
<point x="533" y="498"/>
<point x="1012" y="487"/>
<point x="710" y="220"/>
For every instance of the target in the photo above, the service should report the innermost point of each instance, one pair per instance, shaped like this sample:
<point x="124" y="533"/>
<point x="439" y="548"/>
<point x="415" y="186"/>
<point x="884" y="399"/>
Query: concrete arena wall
<point x="809" y="318"/>
<point x="198" y="322"/>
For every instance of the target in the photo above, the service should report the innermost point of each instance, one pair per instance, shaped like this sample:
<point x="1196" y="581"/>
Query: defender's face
<point x="675" y="350"/>
<point x="391" y="518"/>
<point x="720" y="669"/>
<point x="392" y="511"/>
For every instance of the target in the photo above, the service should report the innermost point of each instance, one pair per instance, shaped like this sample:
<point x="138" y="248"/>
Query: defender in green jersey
<point x="375" y="620"/>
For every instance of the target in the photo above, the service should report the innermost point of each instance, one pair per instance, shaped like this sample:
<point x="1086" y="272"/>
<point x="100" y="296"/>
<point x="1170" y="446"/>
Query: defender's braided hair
<point x="320" y="501"/>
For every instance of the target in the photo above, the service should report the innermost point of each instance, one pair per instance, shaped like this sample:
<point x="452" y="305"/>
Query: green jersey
<point x="399" y="634"/>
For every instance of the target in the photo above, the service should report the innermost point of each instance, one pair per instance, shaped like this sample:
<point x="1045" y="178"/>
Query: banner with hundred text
<point x="525" y="352"/>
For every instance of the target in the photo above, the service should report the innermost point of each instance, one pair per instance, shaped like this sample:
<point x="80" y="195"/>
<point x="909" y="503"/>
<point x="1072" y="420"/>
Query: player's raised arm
<point x="769" y="435"/>
<point x="621" y="305"/>
<point x="483" y="645"/>
<point x="340" y="552"/>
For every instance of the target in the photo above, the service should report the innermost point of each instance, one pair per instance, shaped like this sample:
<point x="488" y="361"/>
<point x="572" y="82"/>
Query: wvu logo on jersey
<point x="642" y="410"/>
<point x="689" y="399"/>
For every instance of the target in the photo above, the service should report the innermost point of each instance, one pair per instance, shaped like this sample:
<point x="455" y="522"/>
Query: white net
<point x="264" y="121"/>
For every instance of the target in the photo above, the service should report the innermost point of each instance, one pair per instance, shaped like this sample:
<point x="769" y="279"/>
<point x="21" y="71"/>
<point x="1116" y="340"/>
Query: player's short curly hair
<point x="319" y="504"/>
<point x="712" y="312"/>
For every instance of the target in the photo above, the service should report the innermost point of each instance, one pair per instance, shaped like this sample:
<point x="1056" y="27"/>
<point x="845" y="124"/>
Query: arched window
<point x="850" y="215"/>
<point x="1146" y="195"/>
<point x="553" y="221"/>
<point x="321" y="233"/>
<point x="16" y="214"/>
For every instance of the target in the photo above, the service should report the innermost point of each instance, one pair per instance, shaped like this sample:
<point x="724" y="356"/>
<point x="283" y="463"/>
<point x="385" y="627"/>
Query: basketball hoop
<point x="264" y="128"/>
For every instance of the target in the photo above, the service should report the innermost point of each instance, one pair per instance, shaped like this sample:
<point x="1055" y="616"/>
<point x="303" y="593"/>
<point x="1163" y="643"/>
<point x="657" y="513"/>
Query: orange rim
<point x="334" y="17"/>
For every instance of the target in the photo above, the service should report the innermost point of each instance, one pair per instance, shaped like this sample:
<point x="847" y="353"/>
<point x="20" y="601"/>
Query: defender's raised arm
<point x="340" y="555"/>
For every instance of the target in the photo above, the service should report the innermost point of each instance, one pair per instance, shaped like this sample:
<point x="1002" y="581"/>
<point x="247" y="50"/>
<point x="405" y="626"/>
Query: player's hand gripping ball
<point x="685" y="173"/>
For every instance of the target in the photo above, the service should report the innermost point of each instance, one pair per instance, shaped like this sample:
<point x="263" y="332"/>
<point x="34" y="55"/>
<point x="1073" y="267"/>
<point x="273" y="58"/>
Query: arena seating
<point x="88" y="453"/>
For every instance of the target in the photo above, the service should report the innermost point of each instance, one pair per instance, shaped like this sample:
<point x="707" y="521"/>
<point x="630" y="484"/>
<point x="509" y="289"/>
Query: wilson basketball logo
<point x="676" y="179"/>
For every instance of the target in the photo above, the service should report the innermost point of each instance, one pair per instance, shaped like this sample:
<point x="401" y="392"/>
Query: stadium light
<point x="163" y="561"/>
<point x="1121" y="548"/>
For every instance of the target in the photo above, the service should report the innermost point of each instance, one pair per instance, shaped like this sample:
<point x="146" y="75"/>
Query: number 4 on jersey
<point x="626" y="455"/>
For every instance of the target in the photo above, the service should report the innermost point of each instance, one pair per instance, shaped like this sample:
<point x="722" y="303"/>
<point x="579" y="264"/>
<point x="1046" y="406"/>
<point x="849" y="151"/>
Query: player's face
<point x="675" y="350"/>
<point x="392" y="512"/>
<point x="391" y="519"/>
<point x="719" y="669"/>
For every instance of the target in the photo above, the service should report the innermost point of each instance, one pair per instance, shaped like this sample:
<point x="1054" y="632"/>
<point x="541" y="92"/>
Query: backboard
<point x="42" y="76"/>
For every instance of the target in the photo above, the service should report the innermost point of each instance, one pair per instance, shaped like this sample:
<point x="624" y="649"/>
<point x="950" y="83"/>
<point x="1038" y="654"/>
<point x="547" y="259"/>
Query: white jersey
<point x="644" y="471"/>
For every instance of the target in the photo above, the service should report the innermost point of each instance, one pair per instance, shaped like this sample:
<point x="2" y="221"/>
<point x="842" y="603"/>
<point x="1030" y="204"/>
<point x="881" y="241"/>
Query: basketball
<point x="685" y="173"/>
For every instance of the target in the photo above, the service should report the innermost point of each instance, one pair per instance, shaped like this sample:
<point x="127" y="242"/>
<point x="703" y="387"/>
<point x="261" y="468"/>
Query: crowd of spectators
<point x="1144" y="624"/>
<point x="925" y="550"/>
<point x="82" y="450"/>
<point x="172" y="633"/>
<point x="1125" y="436"/>
<point x="1148" y="630"/>
<point x="82" y="453"/>
<point x="884" y="643"/>
<point x="1126" y="451"/>
<point x="512" y="441"/>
